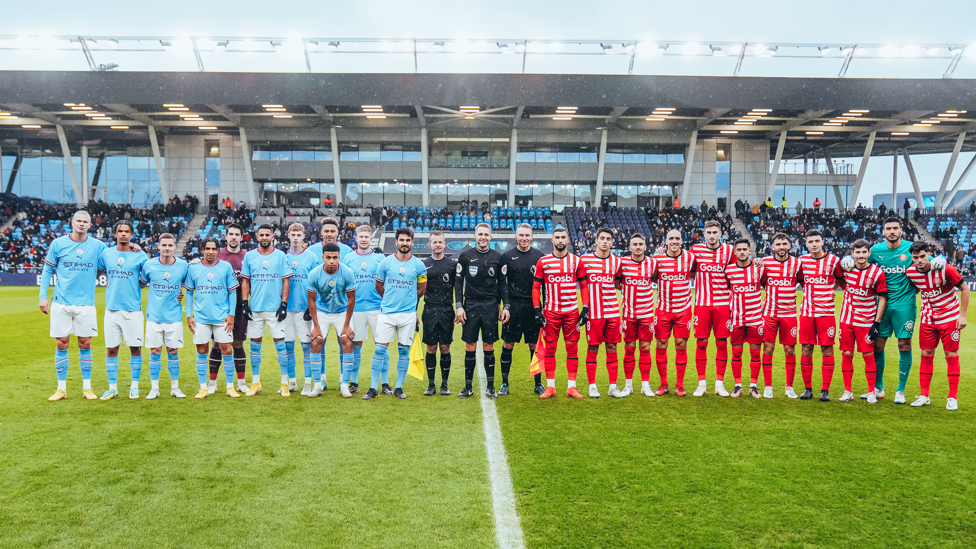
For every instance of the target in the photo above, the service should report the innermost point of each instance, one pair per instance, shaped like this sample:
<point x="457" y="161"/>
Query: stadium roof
<point x="922" y="115"/>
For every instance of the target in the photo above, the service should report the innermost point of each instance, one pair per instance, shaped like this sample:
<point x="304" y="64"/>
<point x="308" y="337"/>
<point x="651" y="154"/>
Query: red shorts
<point x="746" y="334"/>
<point x="642" y="329"/>
<point x="568" y="322"/>
<point x="785" y="325"/>
<point x="709" y="319"/>
<point x="819" y="330"/>
<point x="680" y="323"/>
<point x="929" y="336"/>
<point x="855" y="338"/>
<point x="603" y="330"/>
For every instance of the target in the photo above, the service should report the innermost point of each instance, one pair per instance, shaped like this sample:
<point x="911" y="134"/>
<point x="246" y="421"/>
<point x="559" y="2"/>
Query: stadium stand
<point x="957" y="233"/>
<point x="501" y="219"/>
<point x="652" y="223"/>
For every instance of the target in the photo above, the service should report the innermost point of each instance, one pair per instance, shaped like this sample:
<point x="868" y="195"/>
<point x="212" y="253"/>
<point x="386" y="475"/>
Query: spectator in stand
<point x="972" y="208"/>
<point x="799" y="207"/>
<point x="816" y="205"/>
<point x="906" y="206"/>
<point x="882" y="210"/>
<point x="228" y="203"/>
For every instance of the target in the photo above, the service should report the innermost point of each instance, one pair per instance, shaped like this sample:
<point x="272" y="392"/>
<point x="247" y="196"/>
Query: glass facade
<point x="806" y="194"/>
<point x="297" y="194"/>
<point x="553" y="195"/>
<point x="373" y="193"/>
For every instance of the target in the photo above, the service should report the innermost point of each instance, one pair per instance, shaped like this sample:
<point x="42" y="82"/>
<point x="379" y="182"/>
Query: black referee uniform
<point x="438" y="316"/>
<point x="479" y="287"/>
<point x="519" y="270"/>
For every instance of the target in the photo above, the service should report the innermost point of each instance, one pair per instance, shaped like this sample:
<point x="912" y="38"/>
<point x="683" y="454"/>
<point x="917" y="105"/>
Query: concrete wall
<point x="186" y="166"/>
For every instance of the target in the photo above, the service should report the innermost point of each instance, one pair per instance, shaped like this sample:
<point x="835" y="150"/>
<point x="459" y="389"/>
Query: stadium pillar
<point x="939" y="204"/>
<point x="160" y="172"/>
<point x="911" y="175"/>
<point x="771" y="186"/>
<point x="513" y="149"/>
<point x="600" y="166"/>
<point x="830" y="171"/>
<point x="424" y="167"/>
<point x="85" y="189"/>
<point x="894" y="183"/>
<point x="689" y="162"/>
<point x="863" y="170"/>
<point x="960" y="181"/>
<point x="248" y="174"/>
<point x="335" y="164"/>
<point x="66" y="152"/>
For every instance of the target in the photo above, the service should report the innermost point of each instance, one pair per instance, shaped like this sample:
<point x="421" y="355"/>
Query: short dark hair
<point x="165" y="236"/>
<point x="637" y="235"/>
<point x="713" y="223"/>
<point x="919" y="246"/>
<point x="813" y="232"/>
<point x="203" y="244"/>
<point x="781" y="236"/>
<point x="742" y="241"/>
<point x="560" y="230"/>
<point x="893" y="219"/>
<point x="122" y="223"/>
<point x="403" y="230"/>
<point x="234" y="226"/>
<point x="330" y="221"/>
<point x="860" y="243"/>
<point x="330" y="247"/>
<point x="264" y="226"/>
<point x="602" y="230"/>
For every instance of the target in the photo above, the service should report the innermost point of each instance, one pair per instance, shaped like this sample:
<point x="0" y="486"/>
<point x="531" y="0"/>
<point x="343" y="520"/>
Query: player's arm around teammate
<point x="212" y="286"/>
<point x="165" y="277"/>
<point x="634" y="278"/>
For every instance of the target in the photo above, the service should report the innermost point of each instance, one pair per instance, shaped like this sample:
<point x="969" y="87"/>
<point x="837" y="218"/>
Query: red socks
<point x="701" y="358"/>
<point x="590" y="366"/>
<point x="645" y="365"/>
<point x="612" y="366"/>
<point x="680" y="365"/>
<point x="870" y="371"/>
<point x="790" y="369"/>
<point x="662" y="365"/>
<point x="629" y="353"/>
<point x="767" y="366"/>
<point x="953" y="369"/>
<point x="806" y="369"/>
<point x="721" y="358"/>
<point x="925" y="373"/>
<point x="550" y="360"/>
<point x="737" y="365"/>
<point x="827" y="369"/>
<point x="847" y="369"/>
<point x="754" y="365"/>
<point x="572" y="359"/>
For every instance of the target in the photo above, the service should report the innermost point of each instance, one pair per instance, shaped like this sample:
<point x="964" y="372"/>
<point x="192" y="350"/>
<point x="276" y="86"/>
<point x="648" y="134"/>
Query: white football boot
<point x="720" y="389"/>
<point x="952" y="404"/>
<point x="921" y="401"/>
<point x="307" y="388"/>
<point x="872" y="399"/>
<point x="790" y="393"/>
<point x="899" y="397"/>
<point x="848" y="396"/>
<point x="594" y="392"/>
<point x="768" y="392"/>
<point x="701" y="389"/>
<point x="212" y="386"/>
<point x="614" y="391"/>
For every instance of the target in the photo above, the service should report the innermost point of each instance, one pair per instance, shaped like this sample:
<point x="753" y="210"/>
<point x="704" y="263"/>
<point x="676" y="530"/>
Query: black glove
<point x="874" y="330"/>
<point x="282" y="311"/>
<point x="307" y="316"/>
<point x="584" y="315"/>
<point x="246" y="309"/>
<point x="540" y="318"/>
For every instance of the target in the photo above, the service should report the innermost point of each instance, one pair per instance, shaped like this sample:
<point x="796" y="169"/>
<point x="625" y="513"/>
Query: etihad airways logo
<point x="77" y="264"/>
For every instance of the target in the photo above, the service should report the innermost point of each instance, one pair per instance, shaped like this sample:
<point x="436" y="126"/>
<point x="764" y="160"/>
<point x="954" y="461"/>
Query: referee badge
<point x="504" y="270"/>
<point x="491" y="271"/>
<point x="532" y="269"/>
<point x="446" y="277"/>
<point x="472" y="270"/>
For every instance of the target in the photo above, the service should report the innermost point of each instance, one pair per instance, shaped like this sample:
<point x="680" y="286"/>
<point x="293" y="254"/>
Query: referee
<point x="518" y="266"/>
<point x="479" y="286"/>
<point x="438" y="317"/>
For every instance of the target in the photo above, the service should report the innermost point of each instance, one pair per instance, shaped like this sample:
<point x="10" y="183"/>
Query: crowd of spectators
<point x="690" y="221"/>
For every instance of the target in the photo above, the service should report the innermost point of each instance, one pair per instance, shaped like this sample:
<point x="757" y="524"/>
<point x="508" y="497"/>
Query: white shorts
<point x="79" y="320"/>
<point x="327" y="320"/>
<point x="362" y="319"/>
<point x="403" y="325"/>
<point x="255" y="328"/>
<point x="169" y="334"/>
<point x="297" y="327"/>
<point x="123" y="328"/>
<point x="220" y="335"/>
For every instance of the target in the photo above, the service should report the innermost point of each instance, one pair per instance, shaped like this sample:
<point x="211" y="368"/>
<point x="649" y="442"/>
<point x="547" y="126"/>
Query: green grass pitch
<point x="637" y="472"/>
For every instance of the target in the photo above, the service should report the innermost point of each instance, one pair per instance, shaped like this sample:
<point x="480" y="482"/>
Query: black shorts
<point x="482" y="318"/>
<point x="240" y="326"/>
<point x="521" y="324"/>
<point x="438" y="322"/>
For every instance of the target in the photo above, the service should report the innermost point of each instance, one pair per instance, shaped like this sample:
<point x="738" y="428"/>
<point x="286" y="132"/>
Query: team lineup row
<point x="306" y="293"/>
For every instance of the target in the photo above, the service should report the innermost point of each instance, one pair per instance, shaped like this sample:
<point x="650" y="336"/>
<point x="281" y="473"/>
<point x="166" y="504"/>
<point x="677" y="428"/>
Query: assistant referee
<point x="518" y="266"/>
<point x="439" y="315"/>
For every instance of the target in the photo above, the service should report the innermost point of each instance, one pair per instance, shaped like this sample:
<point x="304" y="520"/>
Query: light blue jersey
<point x="123" y="270"/>
<point x="330" y="289"/>
<point x="76" y="266"/>
<point x="299" y="265"/>
<point x="267" y="274"/>
<point x="317" y="250"/>
<point x="213" y="288"/>
<point x="364" y="267"/>
<point x="164" y="285"/>
<point x="400" y="279"/>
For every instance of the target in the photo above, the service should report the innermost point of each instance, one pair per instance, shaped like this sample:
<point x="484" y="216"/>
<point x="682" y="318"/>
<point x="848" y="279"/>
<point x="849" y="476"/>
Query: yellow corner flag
<point x="538" y="360"/>
<point x="417" y="367"/>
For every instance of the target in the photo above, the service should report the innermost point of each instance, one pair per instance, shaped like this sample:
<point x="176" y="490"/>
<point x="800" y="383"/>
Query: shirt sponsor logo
<point x="680" y="277"/>
<point x="785" y="282"/>
<point x="637" y="281"/>
<point x="600" y="279"/>
<point x="743" y="288"/>
<point x="710" y="267"/>
<point x="931" y="293"/>
<point x="554" y="279"/>
<point x="899" y="269"/>
<point x="819" y="280"/>
<point x="863" y="292"/>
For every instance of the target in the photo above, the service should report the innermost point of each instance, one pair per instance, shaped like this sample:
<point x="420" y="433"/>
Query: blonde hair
<point x="298" y="226"/>
<point x="364" y="229"/>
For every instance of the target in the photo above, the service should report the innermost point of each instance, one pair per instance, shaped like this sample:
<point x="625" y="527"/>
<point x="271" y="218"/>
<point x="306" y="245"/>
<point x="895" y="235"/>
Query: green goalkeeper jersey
<point x="894" y="262"/>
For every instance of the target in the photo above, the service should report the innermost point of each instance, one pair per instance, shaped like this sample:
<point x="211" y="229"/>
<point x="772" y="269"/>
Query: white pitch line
<point x="508" y="527"/>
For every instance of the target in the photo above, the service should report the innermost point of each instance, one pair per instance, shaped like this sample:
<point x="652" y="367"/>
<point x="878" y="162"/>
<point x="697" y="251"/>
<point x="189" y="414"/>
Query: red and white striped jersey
<point x="558" y="276"/>
<point x="780" y="287"/>
<point x="940" y="303"/>
<point x="674" y="281"/>
<point x="819" y="278"/>
<point x="711" y="288"/>
<point x="635" y="280"/>
<point x="745" y="286"/>
<point x="601" y="277"/>
<point x="861" y="291"/>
